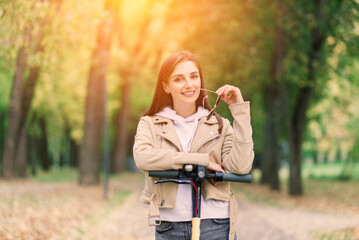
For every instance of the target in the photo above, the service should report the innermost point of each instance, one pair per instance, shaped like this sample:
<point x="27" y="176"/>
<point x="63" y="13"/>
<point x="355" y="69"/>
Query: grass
<point x="69" y="175"/>
<point x="343" y="234"/>
<point x="331" y="171"/>
<point x="56" y="175"/>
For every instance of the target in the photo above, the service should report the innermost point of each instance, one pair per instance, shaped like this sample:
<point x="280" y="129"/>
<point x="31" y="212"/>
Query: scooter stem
<point x="196" y="223"/>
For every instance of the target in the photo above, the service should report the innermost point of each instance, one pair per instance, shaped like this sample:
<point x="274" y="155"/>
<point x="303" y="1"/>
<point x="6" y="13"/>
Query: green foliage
<point x="5" y="83"/>
<point x="234" y="41"/>
<point x="346" y="234"/>
<point x="331" y="172"/>
<point x="57" y="175"/>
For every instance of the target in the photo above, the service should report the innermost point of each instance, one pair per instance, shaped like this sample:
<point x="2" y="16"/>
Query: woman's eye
<point x="195" y="76"/>
<point x="178" y="79"/>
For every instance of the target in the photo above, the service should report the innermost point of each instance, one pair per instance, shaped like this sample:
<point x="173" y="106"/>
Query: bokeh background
<point x="76" y="76"/>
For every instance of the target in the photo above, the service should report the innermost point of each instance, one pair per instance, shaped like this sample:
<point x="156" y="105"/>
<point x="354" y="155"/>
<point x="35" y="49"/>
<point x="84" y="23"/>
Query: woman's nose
<point x="188" y="82"/>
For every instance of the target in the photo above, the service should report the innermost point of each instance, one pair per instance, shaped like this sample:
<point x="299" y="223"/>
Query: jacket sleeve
<point x="147" y="157"/>
<point x="237" y="149"/>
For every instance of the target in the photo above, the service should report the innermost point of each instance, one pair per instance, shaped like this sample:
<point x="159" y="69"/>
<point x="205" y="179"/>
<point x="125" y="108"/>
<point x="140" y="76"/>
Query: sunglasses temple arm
<point x="210" y="114"/>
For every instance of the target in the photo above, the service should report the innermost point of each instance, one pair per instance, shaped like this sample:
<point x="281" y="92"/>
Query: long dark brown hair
<point x="161" y="99"/>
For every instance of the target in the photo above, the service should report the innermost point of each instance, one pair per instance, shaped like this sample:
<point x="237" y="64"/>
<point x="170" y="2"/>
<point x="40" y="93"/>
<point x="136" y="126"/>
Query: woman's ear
<point x="165" y="87"/>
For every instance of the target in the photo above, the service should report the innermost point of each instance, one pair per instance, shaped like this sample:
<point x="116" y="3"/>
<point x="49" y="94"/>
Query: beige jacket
<point x="157" y="147"/>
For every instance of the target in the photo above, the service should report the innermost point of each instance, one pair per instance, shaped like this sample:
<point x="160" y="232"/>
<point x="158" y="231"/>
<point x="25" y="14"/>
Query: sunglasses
<point x="215" y="105"/>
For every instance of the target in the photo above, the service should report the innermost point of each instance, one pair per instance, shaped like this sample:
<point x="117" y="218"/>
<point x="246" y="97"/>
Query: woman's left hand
<point x="230" y="94"/>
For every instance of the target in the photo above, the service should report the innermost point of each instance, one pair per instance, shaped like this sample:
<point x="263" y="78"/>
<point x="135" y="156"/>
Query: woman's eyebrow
<point x="177" y="75"/>
<point x="180" y="74"/>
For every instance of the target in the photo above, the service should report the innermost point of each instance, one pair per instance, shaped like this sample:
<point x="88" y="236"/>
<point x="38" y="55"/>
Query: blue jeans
<point x="211" y="229"/>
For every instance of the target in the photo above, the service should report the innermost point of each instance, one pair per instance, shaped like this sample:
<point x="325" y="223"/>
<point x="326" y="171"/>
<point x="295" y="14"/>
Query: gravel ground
<point x="263" y="222"/>
<point x="256" y="222"/>
<point x="89" y="219"/>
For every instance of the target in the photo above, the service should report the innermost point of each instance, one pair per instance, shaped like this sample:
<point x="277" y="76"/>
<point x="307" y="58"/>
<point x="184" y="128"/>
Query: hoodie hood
<point x="169" y="113"/>
<point x="185" y="127"/>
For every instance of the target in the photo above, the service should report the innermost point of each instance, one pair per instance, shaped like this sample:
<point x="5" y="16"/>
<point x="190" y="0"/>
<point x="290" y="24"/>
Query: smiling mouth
<point x="189" y="93"/>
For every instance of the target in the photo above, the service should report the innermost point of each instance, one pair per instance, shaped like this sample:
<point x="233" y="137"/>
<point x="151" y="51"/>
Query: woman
<point x="176" y="131"/>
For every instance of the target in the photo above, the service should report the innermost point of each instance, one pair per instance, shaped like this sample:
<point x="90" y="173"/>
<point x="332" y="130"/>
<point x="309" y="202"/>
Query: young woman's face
<point x="184" y="84"/>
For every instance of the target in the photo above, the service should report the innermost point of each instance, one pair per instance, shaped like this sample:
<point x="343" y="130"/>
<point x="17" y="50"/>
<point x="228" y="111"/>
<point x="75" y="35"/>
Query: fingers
<point x="215" y="167"/>
<point x="230" y="94"/>
<point x="227" y="89"/>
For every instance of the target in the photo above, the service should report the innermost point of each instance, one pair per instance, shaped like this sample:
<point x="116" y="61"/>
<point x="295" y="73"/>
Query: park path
<point x="128" y="221"/>
<point x="264" y="222"/>
<point x="256" y="221"/>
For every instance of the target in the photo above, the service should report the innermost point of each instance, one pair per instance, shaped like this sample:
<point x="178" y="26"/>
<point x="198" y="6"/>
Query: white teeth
<point x="188" y="93"/>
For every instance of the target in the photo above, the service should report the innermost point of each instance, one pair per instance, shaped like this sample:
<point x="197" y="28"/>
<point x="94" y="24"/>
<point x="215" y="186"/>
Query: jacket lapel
<point x="168" y="131"/>
<point x="206" y="131"/>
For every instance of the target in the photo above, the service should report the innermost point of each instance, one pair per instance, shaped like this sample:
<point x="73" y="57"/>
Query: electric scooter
<point x="194" y="175"/>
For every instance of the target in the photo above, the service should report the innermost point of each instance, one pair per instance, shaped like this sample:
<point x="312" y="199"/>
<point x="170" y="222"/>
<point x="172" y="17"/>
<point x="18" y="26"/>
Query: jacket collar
<point x="161" y="120"/>
<point x="211" y="121"/>
<point x="206" y="130"/>
<point x="168" y="130"/>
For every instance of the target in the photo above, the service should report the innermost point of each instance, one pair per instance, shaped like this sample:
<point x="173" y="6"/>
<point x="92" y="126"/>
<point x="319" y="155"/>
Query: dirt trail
<point x="127" y="222"/>
<point x="89" y="219"/>
<point x="256" y="222"/>
<point x="263" y="222"/>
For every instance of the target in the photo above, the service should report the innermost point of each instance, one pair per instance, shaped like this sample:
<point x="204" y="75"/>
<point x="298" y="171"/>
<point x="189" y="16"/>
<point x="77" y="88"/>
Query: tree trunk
<point x="14" y="117"/>
<point x="89" y="171"/>
<point x="2" y="131"/>
<point x="270" y="156"/>
<point x="338" y="155"/>
<point x="65" y="154"/>
<point x="121" y="146"/>
<point x="315" y="157"/>
<point x="325" y="157"/>
<point x="43" y="147"/>
<point x="20" y="166"/>
<point x="299" y="118"/>
<point x="21" y="97"/>
<point x="296" y="122"/>
<point x="33" y="145"/>
<point x="121" y="139"/>
<point x="21" y="156"/>
<point x="74" y="153"/>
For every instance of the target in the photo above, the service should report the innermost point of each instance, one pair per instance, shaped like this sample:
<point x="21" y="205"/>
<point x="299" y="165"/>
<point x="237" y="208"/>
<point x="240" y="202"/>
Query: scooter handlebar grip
<point x="164" y="174"/>
<point x="231" y="177"/>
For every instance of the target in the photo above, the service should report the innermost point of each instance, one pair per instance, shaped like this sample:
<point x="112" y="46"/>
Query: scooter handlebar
<point x="164" y="174"/>
<point x="229" y="177"/>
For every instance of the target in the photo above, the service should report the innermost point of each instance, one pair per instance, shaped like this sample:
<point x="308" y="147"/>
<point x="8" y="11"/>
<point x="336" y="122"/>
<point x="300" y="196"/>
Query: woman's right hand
<point x="215" y="167"/>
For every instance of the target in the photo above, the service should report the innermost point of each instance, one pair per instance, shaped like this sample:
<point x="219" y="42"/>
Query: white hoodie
<point x="186" y="129"/>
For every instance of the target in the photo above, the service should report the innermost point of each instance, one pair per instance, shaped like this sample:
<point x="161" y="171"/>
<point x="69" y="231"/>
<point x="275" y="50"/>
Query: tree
<point x="23" y="89"/>
<point x="89" y="161"/>
<point x="320" y="18"/>
<point x="129" y="70"/>
<point x="272" y="93"/>
<point x="13" y="132"/>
